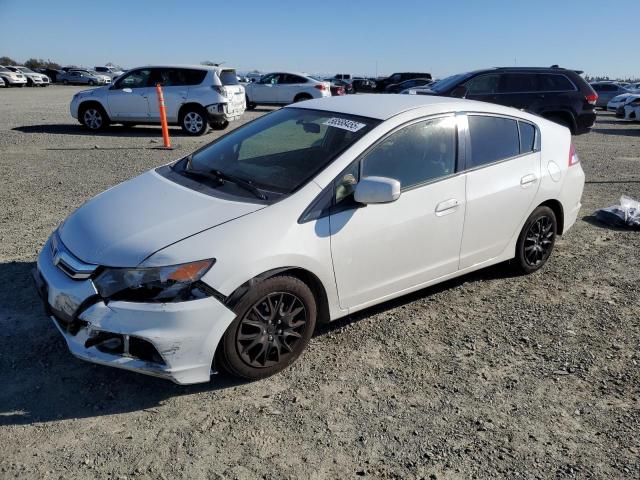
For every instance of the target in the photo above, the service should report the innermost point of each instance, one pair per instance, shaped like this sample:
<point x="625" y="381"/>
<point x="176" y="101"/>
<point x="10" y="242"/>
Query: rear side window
<point x="229" y="77"/>
<point x="291" y="79"/>
<point x="415" y="154"/>
<point x="555" y="83"/>
<point x="492" y="139"/>
<point x="519" y="83"/>
<point x="527" y="137"/>
<point x="175" y="77"/>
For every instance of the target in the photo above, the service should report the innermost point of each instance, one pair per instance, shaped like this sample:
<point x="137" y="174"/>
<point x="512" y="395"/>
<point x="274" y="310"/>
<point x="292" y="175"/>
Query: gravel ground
<point x="487" y="376"/>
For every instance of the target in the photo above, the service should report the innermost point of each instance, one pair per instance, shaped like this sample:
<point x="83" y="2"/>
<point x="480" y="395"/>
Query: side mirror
<point x="377" y="190"/>
<point x="460" y="92"/>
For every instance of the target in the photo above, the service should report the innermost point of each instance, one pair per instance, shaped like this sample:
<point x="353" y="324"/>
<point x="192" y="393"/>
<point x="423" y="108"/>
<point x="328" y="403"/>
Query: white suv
<point x="194" y="96"/>
<point x="283" y="88"/>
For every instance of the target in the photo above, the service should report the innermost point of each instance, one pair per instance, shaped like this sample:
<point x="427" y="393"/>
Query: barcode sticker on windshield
<point x="344" y="124"/>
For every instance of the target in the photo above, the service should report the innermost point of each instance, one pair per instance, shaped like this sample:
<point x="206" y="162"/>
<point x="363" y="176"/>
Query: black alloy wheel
<point x="269" y="331"/>
<point x="536" y="240"/>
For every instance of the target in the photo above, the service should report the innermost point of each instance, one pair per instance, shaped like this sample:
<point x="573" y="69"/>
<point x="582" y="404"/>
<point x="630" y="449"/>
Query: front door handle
<point x="528" y="180"/>
<point x="447" y="206"/>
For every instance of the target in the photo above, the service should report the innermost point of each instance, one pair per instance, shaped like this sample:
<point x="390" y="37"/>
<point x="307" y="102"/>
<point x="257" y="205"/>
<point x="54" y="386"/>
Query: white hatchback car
<point x="283" y="88"/>
<point x="194" y="96"/>
<point x="230" y="256"/>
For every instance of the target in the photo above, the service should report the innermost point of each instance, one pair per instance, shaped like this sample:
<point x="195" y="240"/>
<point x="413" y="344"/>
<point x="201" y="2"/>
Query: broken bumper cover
<point x="176" y="341"/>
<point x="224" y="111"/>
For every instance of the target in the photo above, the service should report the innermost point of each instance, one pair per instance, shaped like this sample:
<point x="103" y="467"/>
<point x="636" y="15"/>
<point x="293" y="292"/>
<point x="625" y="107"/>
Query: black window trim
<point x="461" y="132"/>
<point x="536" y="141"/>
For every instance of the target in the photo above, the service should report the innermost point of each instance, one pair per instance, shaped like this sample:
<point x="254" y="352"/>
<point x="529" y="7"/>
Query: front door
<point x="383" y="249"/>
<point x="129" y="97"/>
<point x="503" y="176"/>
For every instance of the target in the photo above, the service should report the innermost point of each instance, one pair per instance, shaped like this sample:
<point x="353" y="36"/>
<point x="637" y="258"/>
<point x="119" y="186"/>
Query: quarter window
<point x="484" y="84"/>
<point x="415" y="154"/>
<point x="555" y="83"/>
<point x="492" y="139"/>
<point x="527" y="137"/>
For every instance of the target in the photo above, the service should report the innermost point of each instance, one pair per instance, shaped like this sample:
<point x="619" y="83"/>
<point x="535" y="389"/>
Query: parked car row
<point x="17" y="76"/>
<point x="608" y="90"/>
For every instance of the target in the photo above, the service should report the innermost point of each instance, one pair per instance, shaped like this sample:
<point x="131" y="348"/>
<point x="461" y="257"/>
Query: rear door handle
<point x="528" y="180"/>
<point x="447" y="206"/>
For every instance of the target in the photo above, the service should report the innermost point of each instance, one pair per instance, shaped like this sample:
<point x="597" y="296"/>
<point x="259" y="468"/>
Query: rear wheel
<point x="65" y="82"/>
<point x="302" y="97"/>
<point x="193" y="121"/>
<point x="536" y="240"/>
<point x="274" y="324"/>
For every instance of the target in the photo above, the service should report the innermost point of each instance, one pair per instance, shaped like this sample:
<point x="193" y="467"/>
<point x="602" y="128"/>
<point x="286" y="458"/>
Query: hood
<point x="125" y="224"/>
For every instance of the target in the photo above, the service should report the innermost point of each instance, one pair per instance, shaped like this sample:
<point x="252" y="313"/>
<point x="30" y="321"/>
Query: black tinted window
<point x="527" y="137"/>
<point x="415" y="154"/>
<point x="135" y="79"/>
<point x="492" y="139"/>
<point x="229" y="77"/>
<point x="175" y="77"/>
<point x="483" y="84"/>
<point x="555" y="83"/>
<point x="519" y="83"/>
<point x="294" y="79"/>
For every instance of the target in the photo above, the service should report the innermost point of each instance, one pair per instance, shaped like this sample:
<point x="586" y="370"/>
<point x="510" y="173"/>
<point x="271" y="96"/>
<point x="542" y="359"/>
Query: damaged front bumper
<point x="176" y="341"/>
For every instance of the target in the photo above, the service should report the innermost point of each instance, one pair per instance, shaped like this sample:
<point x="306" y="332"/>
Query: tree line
<point x="40" y="63"/>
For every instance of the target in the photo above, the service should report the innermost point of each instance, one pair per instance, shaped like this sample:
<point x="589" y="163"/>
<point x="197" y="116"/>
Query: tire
<point x="536" y="240"/>
<point x="65" y="82"/>
<point x="254" y="347"/>
<point x="250" y="104"/>
<point x="93" y="117"/>
<point x="302" y="97"/>
<point x="92" y="83"/>
<point x="193" y="121"/>
<point x="29" y="82"/>
<point x="219" y="125"/>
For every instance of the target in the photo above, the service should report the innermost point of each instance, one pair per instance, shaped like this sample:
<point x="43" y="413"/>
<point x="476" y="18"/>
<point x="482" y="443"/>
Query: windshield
<point x="4" y="69"/>
<point x="281" y="151"/>
<point x="25" y="69"/>
<point x="447" y="83"/>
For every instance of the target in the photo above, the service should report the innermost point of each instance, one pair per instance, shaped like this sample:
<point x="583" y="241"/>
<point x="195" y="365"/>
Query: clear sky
<point x="325" y="36"/>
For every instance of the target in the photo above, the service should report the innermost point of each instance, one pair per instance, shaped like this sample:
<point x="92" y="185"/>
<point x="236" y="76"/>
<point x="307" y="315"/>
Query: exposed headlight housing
<point x="174" y="283"/>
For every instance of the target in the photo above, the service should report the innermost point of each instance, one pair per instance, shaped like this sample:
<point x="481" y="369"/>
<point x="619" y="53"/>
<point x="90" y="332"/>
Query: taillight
<point x="573" y="156"/>
<point x="591" y="98"/>
<point x="320" y="86"/>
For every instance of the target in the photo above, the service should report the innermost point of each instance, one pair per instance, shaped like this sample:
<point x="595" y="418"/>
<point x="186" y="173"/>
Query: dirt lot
<point x="488" y="376"/>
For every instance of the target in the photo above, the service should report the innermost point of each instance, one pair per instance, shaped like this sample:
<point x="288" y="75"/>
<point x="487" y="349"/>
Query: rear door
<point x="128" y="98"/>
<point x="289" y="86"/>
<point x="520" y="90"/>
<point x="503" y="175"/>
<point x="175" y="87"/>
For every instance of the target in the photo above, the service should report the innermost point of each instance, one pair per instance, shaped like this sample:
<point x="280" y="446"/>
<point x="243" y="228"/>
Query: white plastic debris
<point x="627" y="214"/>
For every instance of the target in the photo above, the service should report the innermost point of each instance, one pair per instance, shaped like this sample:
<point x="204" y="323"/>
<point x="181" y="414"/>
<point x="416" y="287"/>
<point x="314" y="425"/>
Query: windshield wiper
<point x="222" y="177"/>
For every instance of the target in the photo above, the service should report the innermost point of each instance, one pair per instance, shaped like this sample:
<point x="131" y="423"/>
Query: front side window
<point x="281" y="151"/>
<point x="135" y="79"/>
<point x="492" y="139"/>
<point x="415" y="154"/>
<point x="483" y="85"/>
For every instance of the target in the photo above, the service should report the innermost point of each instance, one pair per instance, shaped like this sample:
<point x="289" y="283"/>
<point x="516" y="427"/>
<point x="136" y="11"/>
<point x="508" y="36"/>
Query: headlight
<point x="175" y="283"/>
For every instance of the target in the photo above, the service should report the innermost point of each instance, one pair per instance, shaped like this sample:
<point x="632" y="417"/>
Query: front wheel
<point x="250" y="105"/>
<point x="92" y="83"/>
<point x="94" y="117"/>
<point x="536" y="240"/>
<point x="274" y="324"/>
<point x="193" y="121"/>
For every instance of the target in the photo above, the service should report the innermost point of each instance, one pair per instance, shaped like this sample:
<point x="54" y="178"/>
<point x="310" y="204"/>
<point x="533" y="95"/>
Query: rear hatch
<point x="231" y="89"/>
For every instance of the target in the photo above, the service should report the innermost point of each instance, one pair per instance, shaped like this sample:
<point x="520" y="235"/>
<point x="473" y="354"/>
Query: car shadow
<point x="624" y="132"/>
<point x="112" y="131"/>
<point x="43" y="382"/>
<point x="499" y="271"/>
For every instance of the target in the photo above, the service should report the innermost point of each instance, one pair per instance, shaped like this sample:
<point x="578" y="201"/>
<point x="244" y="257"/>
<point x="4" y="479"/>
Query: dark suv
<point x="558" y="94"/>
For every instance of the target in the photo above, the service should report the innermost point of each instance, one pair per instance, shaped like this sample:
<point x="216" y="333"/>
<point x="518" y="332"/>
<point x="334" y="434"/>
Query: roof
<point x="379" y="106"/>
